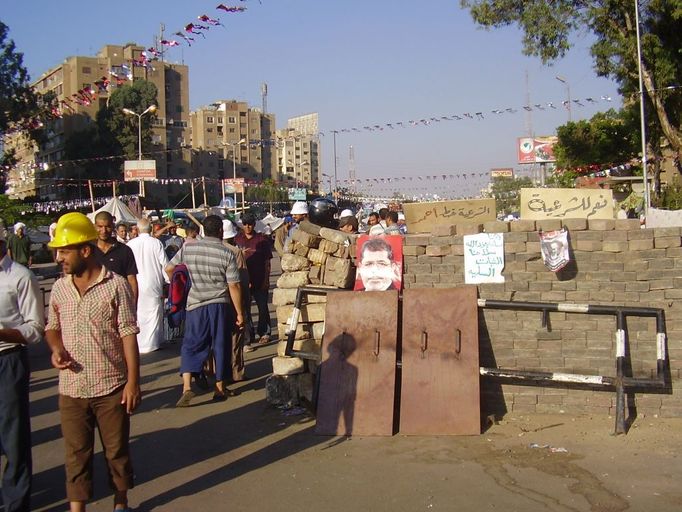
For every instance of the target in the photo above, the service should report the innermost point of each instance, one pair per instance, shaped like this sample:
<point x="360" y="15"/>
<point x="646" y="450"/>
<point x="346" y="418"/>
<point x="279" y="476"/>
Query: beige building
<point x="230" y="138"/>
<point x="40" y="167"/>
<point x="298" y="153"/>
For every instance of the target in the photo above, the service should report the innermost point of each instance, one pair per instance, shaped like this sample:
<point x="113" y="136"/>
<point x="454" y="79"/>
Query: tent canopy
<point x="118" y="209"/>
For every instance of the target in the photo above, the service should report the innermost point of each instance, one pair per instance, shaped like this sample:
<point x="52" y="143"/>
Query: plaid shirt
<point x="91" y="327"/>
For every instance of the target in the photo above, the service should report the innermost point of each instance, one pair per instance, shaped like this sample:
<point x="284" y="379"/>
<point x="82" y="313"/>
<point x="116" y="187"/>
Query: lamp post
<point x="233" y="145"/>
<point x="568" y="94"/>
<point x="150" y="109"/>
<point x="645" y="172"/>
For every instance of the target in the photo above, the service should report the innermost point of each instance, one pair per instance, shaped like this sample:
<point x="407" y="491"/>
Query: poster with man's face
<point x="380" y="263"/>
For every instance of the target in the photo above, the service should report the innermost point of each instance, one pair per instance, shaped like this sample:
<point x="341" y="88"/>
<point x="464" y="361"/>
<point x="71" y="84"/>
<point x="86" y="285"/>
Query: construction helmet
<point x="72" y="229"/>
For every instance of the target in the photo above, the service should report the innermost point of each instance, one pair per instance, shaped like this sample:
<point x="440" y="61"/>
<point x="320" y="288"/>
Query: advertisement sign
<point x="536" y="150"/>
<point x="297" y="194"/>
<point x="422" y="217"/>
<point x="233" y="185"/>
<point x="135" y="170"/>
<point x="506" y="172"/>
<point x="566" y="203"/>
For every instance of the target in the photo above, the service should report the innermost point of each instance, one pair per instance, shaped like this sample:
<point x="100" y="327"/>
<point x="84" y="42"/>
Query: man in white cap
<point x="299" y="211"/>
<point x="346" y="213"/>
<point x="19" y="245"/>
<point x="21" y="322"/>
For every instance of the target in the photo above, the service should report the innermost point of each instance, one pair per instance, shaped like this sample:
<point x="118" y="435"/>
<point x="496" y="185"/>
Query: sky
<point x="356" y="64"/>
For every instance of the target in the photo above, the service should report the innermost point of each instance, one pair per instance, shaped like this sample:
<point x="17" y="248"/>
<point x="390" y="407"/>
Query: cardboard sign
<point x="566" y="203"/>
<point x="422" y="217"/>
<point x="484" y="258"/>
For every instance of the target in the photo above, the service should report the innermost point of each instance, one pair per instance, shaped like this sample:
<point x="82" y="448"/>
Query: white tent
<point x="118" y="209"/>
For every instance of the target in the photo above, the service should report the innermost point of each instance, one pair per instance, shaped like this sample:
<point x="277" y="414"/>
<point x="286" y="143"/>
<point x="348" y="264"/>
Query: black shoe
<point x="201" y="380"/>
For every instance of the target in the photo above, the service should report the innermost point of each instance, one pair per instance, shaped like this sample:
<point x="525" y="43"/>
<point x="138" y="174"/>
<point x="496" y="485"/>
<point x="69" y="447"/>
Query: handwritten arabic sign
<point x="484" y="258"/>
<point x="422" y="217"/>
<point x="566" y="203"/>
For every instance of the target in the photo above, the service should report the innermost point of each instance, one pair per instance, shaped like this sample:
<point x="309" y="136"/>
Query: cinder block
<point x="667" y="232"/>
<point x="667" y="241"/>
<point x="574" y="224"/>
<point x="627" y="224"/>
<point x="641" y="245"/>
<point x="548" y="224"/>
<point x="417" y="250"/>
<point x="522" y="225"/>
<point x="601" y="224"/>
<point x="417" y="240"/>
<point x="287" y="365"/>
<point x="496" y="227"/>
<point x="615" y="246"/>
<point x="438" y="250"/>
<point x="469" y="229"/>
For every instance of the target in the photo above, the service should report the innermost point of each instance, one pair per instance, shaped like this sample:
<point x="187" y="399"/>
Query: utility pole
<point x="351" y="168"/>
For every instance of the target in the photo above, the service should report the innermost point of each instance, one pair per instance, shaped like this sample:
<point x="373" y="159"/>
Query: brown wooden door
<point x="357" y="374"/>
<point x="440" y="370"/>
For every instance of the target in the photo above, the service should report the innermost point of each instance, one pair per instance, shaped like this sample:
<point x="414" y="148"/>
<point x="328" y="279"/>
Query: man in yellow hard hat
<point x="92" y="332"/>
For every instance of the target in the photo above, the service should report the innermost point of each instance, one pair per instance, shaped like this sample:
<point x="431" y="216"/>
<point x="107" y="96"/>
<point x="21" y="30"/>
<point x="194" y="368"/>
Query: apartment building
<point x="298" y="152"/>
<point x="230" y="137"/>
<point x="40" y="167"/>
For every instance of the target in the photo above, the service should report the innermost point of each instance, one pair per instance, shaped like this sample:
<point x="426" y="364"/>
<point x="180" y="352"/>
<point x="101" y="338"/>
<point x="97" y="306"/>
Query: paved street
<point x="244" y="455"/>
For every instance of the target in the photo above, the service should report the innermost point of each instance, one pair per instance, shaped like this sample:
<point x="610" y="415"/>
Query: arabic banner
<point x="536" y="150"/>
<point x="422" y="217"/>
<point x="484" y="258"/>
<point x="566" y="203"/>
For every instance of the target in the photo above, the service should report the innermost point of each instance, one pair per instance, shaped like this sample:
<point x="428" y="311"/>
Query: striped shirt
<point x="211" y="266"/>
<point x="91" y="328"/>
<point x="21" y="306"/>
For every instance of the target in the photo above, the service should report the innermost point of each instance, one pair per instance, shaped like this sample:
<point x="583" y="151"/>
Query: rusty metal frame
<point x="620" y="383"/>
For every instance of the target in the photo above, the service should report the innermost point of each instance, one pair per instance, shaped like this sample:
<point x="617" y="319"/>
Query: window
<point x="232" y="120"/>
<point x="86" y="70"/>
<point x="231" y="130"/>
<point x="220" y="130"/>
<point x="220" y="120"/>
<point x="209" y="130"/>
<point x="209" y="119"/>
<point x="178" y="108"/>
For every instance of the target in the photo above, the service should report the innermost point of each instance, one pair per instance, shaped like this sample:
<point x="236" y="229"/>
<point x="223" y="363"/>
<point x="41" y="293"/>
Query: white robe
<point x="150" y="259"/>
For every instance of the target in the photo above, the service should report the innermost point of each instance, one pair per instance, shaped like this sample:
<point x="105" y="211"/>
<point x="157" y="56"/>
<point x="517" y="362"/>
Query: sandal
<point x="185" y="399"/>
<point x="264" y="340"/>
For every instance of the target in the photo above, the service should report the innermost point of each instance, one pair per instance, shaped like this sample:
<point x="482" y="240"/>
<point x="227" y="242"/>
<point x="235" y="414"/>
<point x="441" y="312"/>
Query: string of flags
<point x="187" y="34"/>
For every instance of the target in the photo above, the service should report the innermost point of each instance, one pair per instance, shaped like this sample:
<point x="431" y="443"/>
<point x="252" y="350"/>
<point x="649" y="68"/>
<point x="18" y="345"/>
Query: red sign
<point x="534" y="150"/>
<point x="135" y="170"/>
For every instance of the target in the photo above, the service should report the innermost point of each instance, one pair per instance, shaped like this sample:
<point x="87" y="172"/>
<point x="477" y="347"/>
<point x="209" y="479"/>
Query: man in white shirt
<point x="21" y="322"/>
<point x="151" y="259"/>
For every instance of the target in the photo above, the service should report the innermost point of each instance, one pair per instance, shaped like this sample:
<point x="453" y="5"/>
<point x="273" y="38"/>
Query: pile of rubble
<point x="315" y="256"/>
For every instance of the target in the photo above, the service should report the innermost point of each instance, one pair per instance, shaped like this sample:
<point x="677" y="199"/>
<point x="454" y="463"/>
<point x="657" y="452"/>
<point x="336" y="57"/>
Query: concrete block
<point x="303" y="330"/>
<point x="293" y="262"/>
<point x="601" y="224"/>
<point x="444" y="230"/>
<point x="413" y="250"/>
<point x="574" y="224"/>
<point x="522" y="225"/>
<point x="667" y="241"/>
<point x="641" y="245"/>
<point x="309" y="313"/>
<point x="438" y="250"/>
<point x="417" y="240"/>
<point x="627" y="224"/>
<point x="665" y="232"/>
<point x="548" y="224"/>
<point x="292" y="279"/>
<point x="615" y="246"/>
<point x="303" y="345"/>
<point x="282" y="296"/>
<point x="287" y="365"/>
<point x="469" y="229"/>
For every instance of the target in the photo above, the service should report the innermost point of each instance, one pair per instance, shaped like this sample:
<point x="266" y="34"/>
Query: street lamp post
<point x="645" y="171"/>
<point x="150" y="109"/>
<point x="233" y="145"/>
<point x="568" y="94"/>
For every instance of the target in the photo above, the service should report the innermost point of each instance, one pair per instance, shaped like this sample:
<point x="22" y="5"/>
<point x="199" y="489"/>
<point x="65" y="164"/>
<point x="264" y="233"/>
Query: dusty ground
<point x="244" y="455"/>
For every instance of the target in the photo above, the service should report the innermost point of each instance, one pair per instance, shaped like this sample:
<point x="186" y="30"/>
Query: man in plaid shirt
<point x="92" y="333"/>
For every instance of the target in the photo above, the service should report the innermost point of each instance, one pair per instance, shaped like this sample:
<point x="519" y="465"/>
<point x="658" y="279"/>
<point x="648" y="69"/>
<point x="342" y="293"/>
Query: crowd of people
<point x="107" y="308"/>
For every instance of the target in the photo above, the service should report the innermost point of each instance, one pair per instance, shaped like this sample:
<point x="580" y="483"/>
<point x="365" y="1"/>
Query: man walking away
<point x="91" y="331"/>
<point x="151" y="260"/>
<point x="21" y="322"/>
<point x="215" y="282"/>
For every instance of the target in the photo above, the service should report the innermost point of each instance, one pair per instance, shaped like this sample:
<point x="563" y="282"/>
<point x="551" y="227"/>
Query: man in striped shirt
<point x="209" y="322"/>
<point x="91" y="331"/>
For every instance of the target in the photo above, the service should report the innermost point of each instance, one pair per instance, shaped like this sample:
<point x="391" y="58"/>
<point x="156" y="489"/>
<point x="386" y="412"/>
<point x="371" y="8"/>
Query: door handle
<point x="458" y="343"/>
<point x="424" y="344"/>
<point x="376" y="342"/>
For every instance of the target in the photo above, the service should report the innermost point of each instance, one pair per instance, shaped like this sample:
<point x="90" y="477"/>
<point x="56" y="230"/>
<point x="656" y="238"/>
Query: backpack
<point x="178" y="289"/>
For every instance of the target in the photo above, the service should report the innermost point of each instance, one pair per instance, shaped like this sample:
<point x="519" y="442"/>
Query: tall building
<point x="229" y="136"/>
<point x="81" y="86"/>
<point x="298" y="152"/>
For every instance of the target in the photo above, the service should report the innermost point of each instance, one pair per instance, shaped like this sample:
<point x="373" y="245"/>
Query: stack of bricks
<point x="319" y="257"/>
<point x="613" y="262"/>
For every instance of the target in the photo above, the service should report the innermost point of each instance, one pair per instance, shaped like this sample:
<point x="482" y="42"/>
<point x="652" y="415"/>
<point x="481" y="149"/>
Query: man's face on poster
<point x="377" y="271"/>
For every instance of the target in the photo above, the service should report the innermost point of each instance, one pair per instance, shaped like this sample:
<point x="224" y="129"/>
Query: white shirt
<point x="150" y="259"/>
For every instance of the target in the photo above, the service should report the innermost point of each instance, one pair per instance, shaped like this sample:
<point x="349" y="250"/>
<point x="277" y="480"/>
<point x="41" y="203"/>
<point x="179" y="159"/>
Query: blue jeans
<point x="15" y="431"/>
<point x="208" y="328"/>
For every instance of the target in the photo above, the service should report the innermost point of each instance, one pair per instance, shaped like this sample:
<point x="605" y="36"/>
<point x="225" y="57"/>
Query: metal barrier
<point x="620" y="383"/>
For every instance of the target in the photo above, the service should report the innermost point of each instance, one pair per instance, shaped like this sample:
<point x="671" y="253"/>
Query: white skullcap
<point x="229" y="229"/>
<point x="19" y="225"/>
<point x="377" y="229"/>
<point x="299" y="208"/>
<point x="401" y="216"/>
<point x="346" y="213"/>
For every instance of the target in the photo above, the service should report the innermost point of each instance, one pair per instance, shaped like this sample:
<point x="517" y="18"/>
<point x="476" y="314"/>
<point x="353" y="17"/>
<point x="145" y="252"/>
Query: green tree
<point x="506" y="193"/>
<point x="18" y="102"/>
<point x="268" y="192"/>
<point x="119" y="130"/>
<point x="547" y="27"/>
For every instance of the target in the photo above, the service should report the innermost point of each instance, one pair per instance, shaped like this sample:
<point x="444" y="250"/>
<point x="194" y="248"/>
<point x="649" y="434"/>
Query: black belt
<point x="10" y="350"/>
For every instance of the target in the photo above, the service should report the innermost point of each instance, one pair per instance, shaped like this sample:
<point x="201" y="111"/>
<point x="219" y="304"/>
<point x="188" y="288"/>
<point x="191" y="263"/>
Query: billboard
<point x="233" y="185"/>
<point x="536" y="150"/>
<point x="297" y="194"/>
<point x="505" y="172"/>
<point x="135" y="170"/>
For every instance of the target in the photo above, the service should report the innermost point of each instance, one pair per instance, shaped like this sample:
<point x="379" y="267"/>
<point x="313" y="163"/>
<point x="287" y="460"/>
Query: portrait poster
<point x="554" y="249"/>
<point x="379" y="261"/>
<point x="484" y="258"/>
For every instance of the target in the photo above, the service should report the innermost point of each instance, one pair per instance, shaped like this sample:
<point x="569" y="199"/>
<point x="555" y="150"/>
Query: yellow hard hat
<point x="73" y="229"/>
